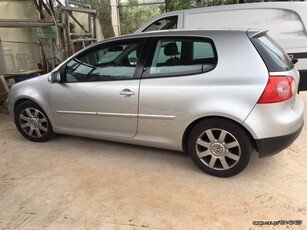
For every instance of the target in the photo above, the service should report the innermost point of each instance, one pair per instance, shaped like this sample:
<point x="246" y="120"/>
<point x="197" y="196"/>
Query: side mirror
<point x="55" y="77"/>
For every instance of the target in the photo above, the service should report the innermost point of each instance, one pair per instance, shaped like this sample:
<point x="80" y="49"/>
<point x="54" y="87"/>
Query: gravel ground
<point x="79" y="183"/>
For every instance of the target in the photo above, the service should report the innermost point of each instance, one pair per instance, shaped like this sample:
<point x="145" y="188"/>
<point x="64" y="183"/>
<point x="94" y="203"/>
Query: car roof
<point x="178" y="32"/>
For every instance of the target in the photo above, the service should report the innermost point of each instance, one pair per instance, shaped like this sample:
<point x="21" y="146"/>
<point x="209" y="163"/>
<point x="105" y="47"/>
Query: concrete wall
<point x="20" y="45"/>
<point x="19" y="56"/>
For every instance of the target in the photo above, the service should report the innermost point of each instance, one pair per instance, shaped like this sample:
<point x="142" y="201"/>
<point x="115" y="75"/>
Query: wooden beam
<point x="81" y="10"/>
<point x="84" y="39"/>
<point x="76" y="20"/>
<point x="16" y="23"/>
<point x="60" y="3"/>
<point x="72" y="16"/>
<point x="80" y="34"/>
<point x="79" y="4"/>
<point x="40" y="10"/>
<point x="95" y="26"/>
<point x="42" y="3"/>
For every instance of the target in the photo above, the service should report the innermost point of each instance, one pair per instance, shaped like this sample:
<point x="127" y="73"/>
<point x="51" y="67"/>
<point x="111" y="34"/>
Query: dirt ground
<point x="78" y="183"/>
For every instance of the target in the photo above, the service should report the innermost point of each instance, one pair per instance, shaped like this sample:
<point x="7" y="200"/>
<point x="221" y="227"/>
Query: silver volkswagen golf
<point x="217" y="94"/>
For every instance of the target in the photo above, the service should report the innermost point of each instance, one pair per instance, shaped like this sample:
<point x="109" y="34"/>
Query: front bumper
<point x="273" y="145"/>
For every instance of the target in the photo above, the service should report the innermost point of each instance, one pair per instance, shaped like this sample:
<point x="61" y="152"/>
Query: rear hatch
<point x="283" y="78"/>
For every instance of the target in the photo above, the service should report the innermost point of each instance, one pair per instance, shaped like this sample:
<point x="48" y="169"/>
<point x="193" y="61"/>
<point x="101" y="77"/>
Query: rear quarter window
<point x="181" y="56"/>
<point x="275" y="58"/>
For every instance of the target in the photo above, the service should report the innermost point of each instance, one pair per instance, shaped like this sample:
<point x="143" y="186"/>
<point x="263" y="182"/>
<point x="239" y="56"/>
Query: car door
<point x="99" y="91"/>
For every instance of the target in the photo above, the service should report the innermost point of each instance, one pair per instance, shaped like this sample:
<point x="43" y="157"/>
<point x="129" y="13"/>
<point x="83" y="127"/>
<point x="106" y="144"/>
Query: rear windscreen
<point x="273" y="55"/>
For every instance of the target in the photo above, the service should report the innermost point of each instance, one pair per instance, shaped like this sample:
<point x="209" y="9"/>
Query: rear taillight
<point x="278" y="89"/>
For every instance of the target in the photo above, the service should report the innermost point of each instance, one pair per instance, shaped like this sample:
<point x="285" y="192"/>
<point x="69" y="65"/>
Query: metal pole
<point x="95" y="26"/>
<point x="115" y="17"/>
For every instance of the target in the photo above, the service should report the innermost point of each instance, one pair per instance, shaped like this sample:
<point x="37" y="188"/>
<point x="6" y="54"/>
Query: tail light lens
<point x="278" y="89"/>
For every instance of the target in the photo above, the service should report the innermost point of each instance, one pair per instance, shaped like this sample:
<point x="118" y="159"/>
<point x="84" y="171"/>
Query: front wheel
<point x="219" y="147"/>
<point x="32" y="122"/>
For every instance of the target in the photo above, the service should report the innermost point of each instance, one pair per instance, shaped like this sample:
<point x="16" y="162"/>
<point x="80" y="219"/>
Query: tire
<point x="32" y="122"/>
<point x="219" y="147"/>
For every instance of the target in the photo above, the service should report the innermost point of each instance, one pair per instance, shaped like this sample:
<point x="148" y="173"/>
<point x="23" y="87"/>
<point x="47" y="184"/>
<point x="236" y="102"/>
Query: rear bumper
<point x="270" y="146"/>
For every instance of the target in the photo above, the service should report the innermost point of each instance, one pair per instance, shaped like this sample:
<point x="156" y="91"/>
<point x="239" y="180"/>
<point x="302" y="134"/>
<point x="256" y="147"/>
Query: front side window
<point x="174" y="57"/>
<point x="163" y="24"/>
<point x="115" y="62"/>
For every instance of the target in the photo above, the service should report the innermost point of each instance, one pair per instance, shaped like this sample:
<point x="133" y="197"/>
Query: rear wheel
<point x="32" y="122"/>
<point x="219" y="147"/>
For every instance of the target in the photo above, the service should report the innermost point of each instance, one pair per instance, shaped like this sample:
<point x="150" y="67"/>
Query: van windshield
<point x="163" y="24"/>
<point x="273" y="55"/>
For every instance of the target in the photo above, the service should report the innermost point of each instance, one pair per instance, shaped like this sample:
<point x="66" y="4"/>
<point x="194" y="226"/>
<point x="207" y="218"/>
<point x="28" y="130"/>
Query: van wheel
<point x="32" y="122"/>
<point x="219" y="147"/>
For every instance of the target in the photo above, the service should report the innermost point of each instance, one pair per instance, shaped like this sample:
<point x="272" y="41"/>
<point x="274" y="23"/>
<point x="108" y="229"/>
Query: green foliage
<point x="132" y="15"/>
<point x="218" y="2"/>
<point x="173" y="5"/>
<point x="187" y="4"/>
<point x="181" y="5"/>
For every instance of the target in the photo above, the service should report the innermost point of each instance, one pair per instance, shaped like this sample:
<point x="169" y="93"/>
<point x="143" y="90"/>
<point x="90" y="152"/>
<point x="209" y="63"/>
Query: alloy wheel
<point x="218" y="149"/>
<point x="33" y="122"/>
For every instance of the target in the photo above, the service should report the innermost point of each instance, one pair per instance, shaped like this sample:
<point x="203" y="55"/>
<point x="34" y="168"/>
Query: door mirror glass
<point x="55" y="77"/>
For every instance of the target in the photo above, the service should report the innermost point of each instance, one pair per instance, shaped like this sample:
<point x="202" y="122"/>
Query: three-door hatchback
<point x="217" y="94"/>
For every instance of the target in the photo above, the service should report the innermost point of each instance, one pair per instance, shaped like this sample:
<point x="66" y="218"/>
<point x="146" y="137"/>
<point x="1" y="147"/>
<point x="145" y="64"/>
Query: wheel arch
<point x="21" y="100"/>
<point x="194" y="123"/>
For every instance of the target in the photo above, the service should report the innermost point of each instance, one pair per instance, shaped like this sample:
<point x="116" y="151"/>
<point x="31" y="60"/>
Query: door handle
<point x="127" y="93"/>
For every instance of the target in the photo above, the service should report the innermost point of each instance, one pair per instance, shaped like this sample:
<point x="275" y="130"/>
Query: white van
<point x="286" y="22"/>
